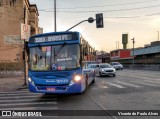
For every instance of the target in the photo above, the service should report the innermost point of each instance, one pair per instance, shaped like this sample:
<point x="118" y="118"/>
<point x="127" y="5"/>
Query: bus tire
<point x="93" y="81"/>
<point x="86" y="85"/>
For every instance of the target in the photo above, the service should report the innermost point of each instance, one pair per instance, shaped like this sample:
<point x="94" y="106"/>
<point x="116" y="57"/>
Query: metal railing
<point x="8" y="68"/>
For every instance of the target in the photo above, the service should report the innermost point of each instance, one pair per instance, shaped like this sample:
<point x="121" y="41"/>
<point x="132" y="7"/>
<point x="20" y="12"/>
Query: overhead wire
<point x="145" y="15"/>
<point x="113" y="10"/>
<point x="109" y="5"/>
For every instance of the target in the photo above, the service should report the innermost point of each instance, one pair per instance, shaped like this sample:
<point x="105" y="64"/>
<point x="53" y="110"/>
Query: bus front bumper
<point x="53" y="89"/>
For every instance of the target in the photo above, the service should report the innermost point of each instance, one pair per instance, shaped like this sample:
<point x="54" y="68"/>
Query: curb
<point x="22" y="87"/>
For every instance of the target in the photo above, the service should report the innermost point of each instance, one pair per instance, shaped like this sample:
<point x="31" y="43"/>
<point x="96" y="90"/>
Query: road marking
<point x="136" y="86"/>
<point x="22" y="96"/>
<point x="135" y="74"/>
<point x="14" y="92"/>
<point x="25" y="100"/>
<point x="101" y="106"/>
<point x="17" y="94"/>
<point x="143" y="83"/>
<point x="153" y="81"/>
<point x="103" y="85"/>
<point x="20" y="104"/>
<point x="118" y="86"/>
<point x="30" y="108"/>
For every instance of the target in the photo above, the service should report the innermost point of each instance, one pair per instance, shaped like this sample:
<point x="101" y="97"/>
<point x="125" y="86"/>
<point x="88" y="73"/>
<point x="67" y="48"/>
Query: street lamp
<point x="133" y="49"/>
<point x="158" y="35"/>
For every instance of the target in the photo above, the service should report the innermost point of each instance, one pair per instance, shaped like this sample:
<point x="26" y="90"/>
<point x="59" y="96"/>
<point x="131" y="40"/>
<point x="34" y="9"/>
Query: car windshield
<point x="57" y="57"/>
<point x="105" y="66"/>
<point x="92" y="66"/>
<point x="115" y="63"/>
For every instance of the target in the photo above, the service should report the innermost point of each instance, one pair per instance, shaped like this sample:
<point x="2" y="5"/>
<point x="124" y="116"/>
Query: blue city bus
<point x="56" y="63"/>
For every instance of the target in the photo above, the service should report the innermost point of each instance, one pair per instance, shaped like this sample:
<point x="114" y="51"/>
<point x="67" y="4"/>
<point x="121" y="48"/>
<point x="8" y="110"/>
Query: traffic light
<point x="99" y="20"/>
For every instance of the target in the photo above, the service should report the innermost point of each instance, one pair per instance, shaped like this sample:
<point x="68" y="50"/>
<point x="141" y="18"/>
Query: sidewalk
<point x="11" y="83"/>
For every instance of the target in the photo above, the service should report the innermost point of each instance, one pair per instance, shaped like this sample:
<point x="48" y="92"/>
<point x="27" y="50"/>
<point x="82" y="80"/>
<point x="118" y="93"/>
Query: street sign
<point x="25" y="31"/>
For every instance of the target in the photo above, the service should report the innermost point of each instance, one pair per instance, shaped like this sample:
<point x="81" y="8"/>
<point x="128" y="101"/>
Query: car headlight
<point x="102" y="69"/>
<point x="77" y="78"/>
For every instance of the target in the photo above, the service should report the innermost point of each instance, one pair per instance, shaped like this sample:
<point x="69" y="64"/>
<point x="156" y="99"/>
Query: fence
<point x="151" y="67"/>
<point x="8" y="68"/>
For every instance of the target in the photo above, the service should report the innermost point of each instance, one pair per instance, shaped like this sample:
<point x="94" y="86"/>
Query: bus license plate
<point x="51" y="89"/>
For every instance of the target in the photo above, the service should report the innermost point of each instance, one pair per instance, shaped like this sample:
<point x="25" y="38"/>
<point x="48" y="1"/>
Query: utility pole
<point x="55" y="22"/>
<point x="133" y="49"/>
<point x="158" y="35"/>
<point x="24" y="52"/>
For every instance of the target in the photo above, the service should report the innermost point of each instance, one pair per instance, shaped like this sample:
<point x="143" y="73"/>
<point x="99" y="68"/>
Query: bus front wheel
<point x="86" y="85"/>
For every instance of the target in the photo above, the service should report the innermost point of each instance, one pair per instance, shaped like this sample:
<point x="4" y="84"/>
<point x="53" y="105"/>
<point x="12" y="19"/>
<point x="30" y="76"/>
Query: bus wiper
<point x="60" y="49"/>
<point x="39" y="46"/>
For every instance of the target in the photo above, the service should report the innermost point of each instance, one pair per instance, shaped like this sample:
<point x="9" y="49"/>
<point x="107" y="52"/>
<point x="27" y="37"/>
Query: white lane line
<point x="116" y="85"/>
<point x="148" y="76"/>
<point x="23" y="96"/>
<point x="25" y="100"/>
<point x="143" y="83"/>
<point x="128" y="84"/>
<point x="151" y="81"/>
<point x="20" y="94"/>
<point x="140" y="77"/>
<point x="31" y="103"/>
<point x="30" y="108"/>
<point x="103" y="85"/>
<point x="15" y="92"/>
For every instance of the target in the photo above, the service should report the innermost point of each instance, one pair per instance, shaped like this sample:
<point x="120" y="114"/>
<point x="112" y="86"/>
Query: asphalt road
<point x="129" y="90"/>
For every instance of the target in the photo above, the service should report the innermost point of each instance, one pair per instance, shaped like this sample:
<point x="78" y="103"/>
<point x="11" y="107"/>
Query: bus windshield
<point x="56" y="57"/>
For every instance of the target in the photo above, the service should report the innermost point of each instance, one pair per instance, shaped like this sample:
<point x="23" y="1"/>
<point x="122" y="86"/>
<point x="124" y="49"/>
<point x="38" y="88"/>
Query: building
<point x="149" y="54"/>
<point x="12" y="14"/>
<point x="103" y="57"/>
<point x="120" y="54"/>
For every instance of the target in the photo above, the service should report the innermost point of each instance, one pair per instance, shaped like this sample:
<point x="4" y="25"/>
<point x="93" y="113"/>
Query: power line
<point x="109" y="5"/>
<point x="114" y="10"/>
<point x="145" y="15"/>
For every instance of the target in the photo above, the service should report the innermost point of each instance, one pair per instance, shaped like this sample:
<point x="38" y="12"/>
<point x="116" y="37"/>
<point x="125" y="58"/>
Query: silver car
<point x="117" y="65"/>
<point x="105" y="69"/>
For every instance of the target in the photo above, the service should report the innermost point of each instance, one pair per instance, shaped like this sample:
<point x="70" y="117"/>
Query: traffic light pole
<point x="24" y="57"/>
<point x="24" y="52"/>
<point x="99" y="21"/>
<point x="90" y="20"/>
<point x="76" y="25"/>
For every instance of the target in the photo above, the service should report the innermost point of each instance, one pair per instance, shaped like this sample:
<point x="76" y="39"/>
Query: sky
<point x="140" y="19"/>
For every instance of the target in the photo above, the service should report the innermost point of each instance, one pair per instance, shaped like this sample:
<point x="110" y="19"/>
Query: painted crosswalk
<point x="128" y="84"/>
<point x="24" y="100"/>
<point x="131" y="79"/>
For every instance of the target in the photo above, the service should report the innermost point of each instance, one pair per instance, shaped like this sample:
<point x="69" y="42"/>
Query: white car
<point x="117" y="65"/>
<point x="105" y="69"/>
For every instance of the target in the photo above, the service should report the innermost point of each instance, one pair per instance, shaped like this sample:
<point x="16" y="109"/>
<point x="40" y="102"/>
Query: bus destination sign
<point x="51" y="38"/>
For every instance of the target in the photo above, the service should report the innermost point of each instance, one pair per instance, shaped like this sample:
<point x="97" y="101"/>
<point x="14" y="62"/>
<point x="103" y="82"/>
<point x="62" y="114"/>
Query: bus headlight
<point x="77" y="78"/>
<point x="30" y="80"/>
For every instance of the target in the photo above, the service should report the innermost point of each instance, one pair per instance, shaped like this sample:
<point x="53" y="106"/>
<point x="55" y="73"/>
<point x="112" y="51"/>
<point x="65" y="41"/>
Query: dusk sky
<point x="139" y="18"/>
